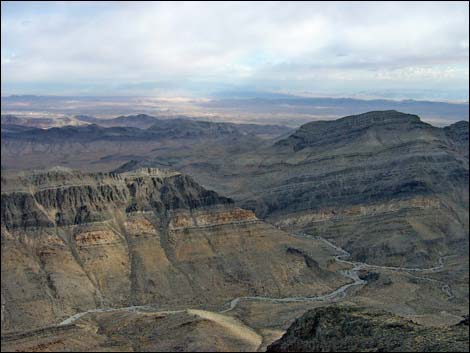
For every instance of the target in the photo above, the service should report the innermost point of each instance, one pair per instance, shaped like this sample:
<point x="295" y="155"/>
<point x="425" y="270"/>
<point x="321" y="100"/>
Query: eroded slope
<point x="73" y="241"/>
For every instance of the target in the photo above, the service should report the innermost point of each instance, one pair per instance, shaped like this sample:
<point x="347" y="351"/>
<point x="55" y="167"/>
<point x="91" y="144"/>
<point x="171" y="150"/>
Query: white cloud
<point x="234" y="43"/>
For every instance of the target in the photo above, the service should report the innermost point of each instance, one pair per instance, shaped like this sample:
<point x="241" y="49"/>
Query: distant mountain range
<point x="138" y="127"/>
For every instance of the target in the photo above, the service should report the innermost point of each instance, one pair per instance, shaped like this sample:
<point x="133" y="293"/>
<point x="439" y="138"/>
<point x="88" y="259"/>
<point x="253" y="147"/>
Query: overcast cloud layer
<point x="196" y="48"/>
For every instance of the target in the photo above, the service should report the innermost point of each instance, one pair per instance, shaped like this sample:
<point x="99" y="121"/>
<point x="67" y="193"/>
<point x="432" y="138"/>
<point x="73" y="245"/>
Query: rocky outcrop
<point x="458" y="134"/>
<point x="347" y="329"/>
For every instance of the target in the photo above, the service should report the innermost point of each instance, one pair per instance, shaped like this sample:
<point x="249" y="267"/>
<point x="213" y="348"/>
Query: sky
<point x="377" y="49"/>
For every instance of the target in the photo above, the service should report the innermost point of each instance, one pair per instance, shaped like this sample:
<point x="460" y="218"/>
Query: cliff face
<point x="72" y="242"/>
<point x="60" y="198"/>
<point x="345" y="329"/>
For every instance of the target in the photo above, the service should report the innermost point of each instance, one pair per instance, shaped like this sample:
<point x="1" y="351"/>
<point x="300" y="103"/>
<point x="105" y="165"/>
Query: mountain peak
<point x="378" y="116"/>
<point x="350" y="128"/>
<point x="372" y="118"/>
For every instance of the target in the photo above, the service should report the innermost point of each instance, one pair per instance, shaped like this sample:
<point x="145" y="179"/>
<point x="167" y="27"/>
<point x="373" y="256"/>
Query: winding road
<point x="342" y="257"/>
<point x="352" y="273"/>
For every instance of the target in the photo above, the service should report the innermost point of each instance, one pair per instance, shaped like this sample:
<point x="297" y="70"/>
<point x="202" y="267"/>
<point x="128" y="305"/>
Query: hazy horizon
<point x="244" y="95"/>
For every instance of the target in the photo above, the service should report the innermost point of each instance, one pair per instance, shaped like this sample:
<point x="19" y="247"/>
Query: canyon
<point x="200" y="236"/>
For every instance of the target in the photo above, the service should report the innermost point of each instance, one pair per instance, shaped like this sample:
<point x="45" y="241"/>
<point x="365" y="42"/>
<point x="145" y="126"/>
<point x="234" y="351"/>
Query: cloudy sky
<point x="412" y="50"/>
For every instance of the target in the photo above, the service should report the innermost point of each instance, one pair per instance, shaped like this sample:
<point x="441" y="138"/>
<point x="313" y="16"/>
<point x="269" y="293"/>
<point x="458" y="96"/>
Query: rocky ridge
<point x="352" y="329"/>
